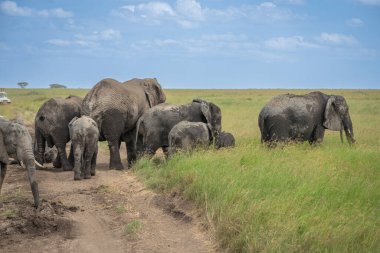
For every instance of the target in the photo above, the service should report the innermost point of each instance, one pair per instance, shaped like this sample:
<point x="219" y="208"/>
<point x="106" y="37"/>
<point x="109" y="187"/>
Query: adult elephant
<point x="16" y="143"/>
<point x="51" y="127"/>
<point x="154" y="126"/>
<point x="304" y="118"/>
<point x="116" y="107"/>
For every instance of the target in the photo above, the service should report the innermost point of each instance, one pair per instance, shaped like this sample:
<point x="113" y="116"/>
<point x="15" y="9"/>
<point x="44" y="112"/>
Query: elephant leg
<point x="93" y="163"/>
<point x="71" y="155"/>
<point x="78" y="162"/>
<point x="63" y="156"/>
<point x="151" y="146"/>
<point x="115" y="161"/>
<point x="87" y="164"/>
<point x="131" y="149"/>
<point x="139" y="146"/>
<point x="317" y="136"/>
<point x="57" y="162"/>
<point x="40" y="142"/>
<point x="3" y="171"/>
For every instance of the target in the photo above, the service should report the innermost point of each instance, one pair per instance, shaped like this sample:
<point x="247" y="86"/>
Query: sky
<point x="213" y="44"/>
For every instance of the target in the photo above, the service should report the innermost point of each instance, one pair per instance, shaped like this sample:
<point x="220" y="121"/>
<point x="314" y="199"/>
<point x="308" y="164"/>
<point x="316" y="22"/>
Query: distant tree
<point x="22" y="84"/>
<point x="57" y="86"/>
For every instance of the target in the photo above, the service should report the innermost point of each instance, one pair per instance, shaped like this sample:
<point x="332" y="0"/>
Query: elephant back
<point x="59" y="108"/>
<point x="54" y="115"/>
<point x="107" y="95"/>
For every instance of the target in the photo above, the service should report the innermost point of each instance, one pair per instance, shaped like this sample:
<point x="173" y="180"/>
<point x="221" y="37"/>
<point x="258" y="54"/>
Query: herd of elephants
<point x="135" y="112"/>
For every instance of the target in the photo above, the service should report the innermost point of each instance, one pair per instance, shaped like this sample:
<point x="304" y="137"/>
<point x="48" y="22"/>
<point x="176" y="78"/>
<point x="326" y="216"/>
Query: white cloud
<point x="336" y="38"/>
<point x="190" y="9"/>
<point x="59" y="42"/>
<point x="370" y="2"/>
<point x="190" y="13"/>
<point x="149" y="13"/>
<point x="88" y="40"/>
<point x="215" y="43"/>
<point x="108" y="34"/>
<point x="296" y="2"/>
<point x="11" y="8"/>
<point x="355" y="22"/>
<point x="289" y="43"/>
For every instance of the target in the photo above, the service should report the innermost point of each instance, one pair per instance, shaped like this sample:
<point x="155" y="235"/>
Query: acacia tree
<point x="56" y="85"/>
<point x="23" y="84"/>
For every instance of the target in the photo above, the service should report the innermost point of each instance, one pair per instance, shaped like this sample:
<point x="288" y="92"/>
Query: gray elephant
<point x="224" y="140"/>
<point x="50" y="154"/>
<point x="154" y="126"/>
<point x="84" y="135"/>
<point x="188" y="135"/>
<point x="304" y="118"/>
<point x="51" y="127"/>
<point x="116" y="107"/>
<point x="16" y="143"/>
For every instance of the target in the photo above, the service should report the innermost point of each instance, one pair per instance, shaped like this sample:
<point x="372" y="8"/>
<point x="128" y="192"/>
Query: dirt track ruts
<point x="112" y="212"/>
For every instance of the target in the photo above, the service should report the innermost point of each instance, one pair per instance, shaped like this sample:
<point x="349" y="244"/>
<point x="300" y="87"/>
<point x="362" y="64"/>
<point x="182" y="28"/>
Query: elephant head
<point x="16" y="143"/>
<point x="213" y="116"/>
<point x="337" y="117"/>
<point x="224" y="140"/>
<point x="153" y="92"/>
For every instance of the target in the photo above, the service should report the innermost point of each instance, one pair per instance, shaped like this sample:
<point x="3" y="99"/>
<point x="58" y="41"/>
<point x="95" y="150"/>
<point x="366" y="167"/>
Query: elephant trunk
<point x="28" y="160"/>
<point x="40" y="147"/>
<point x="347" y="125"/>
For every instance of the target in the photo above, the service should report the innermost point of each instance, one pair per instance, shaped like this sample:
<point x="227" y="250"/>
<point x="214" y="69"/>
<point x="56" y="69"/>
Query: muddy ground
<point x="112" y="212"/>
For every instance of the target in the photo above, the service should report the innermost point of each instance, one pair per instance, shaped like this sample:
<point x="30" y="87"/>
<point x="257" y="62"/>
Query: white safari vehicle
<point x="3" y="97"/>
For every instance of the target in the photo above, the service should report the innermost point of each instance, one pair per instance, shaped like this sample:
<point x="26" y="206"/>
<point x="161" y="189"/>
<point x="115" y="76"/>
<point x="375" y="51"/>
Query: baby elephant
<point x="84" y="135"/>
<point x="224" y="140"/>
<point x="188" y="135"/>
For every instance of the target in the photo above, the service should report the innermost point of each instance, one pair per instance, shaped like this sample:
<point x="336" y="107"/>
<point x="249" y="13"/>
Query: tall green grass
<point x="297" y="198"/>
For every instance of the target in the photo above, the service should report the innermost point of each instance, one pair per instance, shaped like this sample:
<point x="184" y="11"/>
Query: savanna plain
<point x="293" y="198"/>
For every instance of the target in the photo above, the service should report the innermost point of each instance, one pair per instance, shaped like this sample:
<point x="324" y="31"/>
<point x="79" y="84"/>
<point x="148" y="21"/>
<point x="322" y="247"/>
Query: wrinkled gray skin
<point x="116" y="107"/>
<point x="84" y="135"/>
<point x="154" y="126"/>
<point x="224" y="140"/>
<point x="50" y="154"/>
<point x="187" y="135"/>
<point x="304" y="118"/>
<point x="16" y="143"/>
<point x="51" y="127"/>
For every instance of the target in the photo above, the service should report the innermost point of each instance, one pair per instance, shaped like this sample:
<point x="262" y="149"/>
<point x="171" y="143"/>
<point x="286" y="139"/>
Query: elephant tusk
<point x="22" y="164"/>
<point x="42" y="166"/>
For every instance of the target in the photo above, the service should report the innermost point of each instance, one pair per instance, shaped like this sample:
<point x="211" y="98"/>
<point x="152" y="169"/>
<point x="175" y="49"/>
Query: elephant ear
<point x="205" y="108"/>
<point x="4" y="158"/>
<point x="151" y="92"/>
<point x="332" y="118"/>
<point x="199" y="100"/>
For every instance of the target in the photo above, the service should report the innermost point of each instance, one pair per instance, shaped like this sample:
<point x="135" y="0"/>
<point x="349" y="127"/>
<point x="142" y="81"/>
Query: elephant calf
<point x="16" y="143"/>
<point x="224" y="140"/>
<point x="84" y="135"/>
<point x="187" y="135"/>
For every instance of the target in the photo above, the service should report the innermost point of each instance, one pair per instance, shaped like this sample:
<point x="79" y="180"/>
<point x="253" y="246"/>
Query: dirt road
<point x="112" y="212"/>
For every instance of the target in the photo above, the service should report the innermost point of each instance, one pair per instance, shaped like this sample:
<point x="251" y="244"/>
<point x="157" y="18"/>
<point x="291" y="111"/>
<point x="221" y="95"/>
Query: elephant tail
<point x="264" y="128"/>
<point x="138" y="142"/>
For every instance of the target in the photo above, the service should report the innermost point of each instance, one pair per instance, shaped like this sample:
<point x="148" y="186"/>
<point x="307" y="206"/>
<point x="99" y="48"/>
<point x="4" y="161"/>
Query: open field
<point x="298" y="198"/>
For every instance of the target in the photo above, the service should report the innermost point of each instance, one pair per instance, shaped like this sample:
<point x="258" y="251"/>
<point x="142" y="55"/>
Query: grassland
<point x="298" y="198"/>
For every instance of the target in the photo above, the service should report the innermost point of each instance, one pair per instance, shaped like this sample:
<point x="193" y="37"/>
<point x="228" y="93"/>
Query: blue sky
<point x="192" y="43"/>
